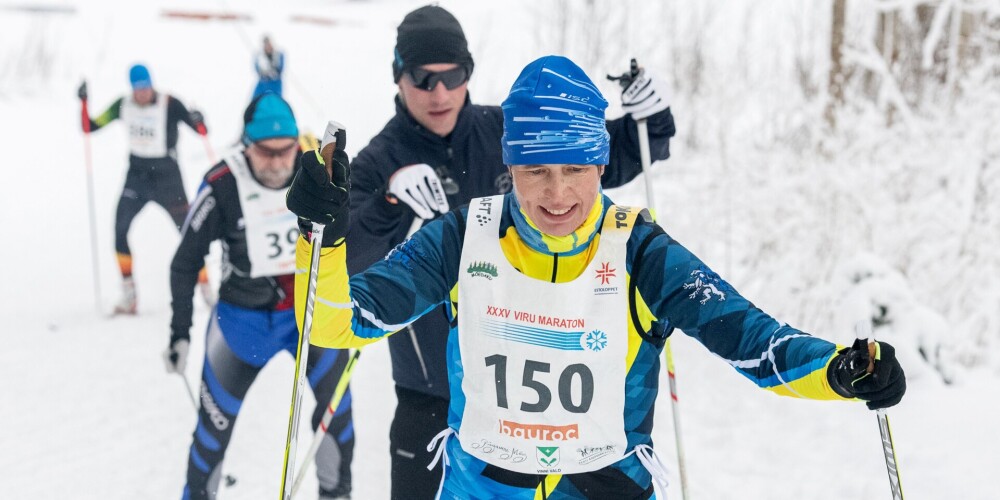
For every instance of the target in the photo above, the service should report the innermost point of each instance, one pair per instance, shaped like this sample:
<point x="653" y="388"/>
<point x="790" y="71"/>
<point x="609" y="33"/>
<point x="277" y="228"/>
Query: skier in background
<point x="269" y="63"/>
<point x="153" y="174"/>
<point x="440" y="150"/>
<point x="242" y="203"/>
<point x="561" y="303"/>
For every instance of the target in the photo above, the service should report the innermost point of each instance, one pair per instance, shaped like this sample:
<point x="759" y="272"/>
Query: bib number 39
<point x="540" y="385"/>
<point x="281" y="246"/>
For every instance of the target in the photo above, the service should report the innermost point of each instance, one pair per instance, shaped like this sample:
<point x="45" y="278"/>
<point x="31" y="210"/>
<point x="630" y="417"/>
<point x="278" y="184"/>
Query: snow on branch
<point x="895" y="5"/>
<point x="936" y="31"/>
<point x="870" y="59"/>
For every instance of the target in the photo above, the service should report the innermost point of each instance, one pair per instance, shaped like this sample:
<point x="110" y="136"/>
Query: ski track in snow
<point x="88" y="412"/>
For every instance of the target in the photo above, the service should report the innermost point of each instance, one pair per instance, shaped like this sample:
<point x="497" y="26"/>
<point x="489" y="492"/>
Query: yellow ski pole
<point x="338" y="395"/>
<point x="333" y="138"/>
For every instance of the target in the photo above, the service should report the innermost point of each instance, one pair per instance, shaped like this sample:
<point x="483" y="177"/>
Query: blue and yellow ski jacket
<point x="669" y="288"/>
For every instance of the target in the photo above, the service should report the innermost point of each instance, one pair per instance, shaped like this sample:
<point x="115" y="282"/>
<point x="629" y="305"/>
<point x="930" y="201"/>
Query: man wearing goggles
<point x="439" y="151"/>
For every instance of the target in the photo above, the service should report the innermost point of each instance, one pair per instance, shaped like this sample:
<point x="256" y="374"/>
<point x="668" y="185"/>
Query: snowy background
<point x="885" y="208"/>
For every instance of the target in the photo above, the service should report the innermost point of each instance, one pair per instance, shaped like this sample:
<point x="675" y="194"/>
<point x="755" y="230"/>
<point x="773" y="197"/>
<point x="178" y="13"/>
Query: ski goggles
<point x="427" y="80"/>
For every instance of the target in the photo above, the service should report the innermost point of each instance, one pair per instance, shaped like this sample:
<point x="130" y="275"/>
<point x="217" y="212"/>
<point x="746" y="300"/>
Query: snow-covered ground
<point x="87" y="410"/>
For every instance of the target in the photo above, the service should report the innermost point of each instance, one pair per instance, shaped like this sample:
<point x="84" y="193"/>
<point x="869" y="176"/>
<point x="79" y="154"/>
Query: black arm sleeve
<point x="625" y="162"/>
<point x="203" y="225"/>
<point x="176" y="111"/>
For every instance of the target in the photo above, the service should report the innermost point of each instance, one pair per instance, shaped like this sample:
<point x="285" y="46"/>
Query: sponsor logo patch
<point x="539" y="431"/>
<point x="482" y="270"/>
<point x="547" y="456"/>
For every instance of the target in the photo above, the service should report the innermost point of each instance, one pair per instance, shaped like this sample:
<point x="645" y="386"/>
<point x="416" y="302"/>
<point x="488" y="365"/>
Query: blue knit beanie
<point x="554" y="115"/>
<point x="268" y="116"/>
<point x="138" y="75"/>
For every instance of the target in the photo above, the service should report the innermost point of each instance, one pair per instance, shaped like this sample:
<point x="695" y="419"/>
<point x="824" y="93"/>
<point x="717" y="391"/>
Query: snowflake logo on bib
<point x="595" y="340"/>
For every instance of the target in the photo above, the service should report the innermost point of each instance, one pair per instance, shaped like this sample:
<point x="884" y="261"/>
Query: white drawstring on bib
<point x="650" y="460"/>
<point x="437" y="446"/>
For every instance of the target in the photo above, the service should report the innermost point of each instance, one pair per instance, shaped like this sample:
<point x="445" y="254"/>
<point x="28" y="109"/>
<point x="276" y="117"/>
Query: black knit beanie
<point x="429" y="35"/>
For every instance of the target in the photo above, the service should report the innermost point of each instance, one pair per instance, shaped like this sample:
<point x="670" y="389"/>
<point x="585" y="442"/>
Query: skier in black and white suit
<point x="153" y="175"/>
<point x="242" y="204"/>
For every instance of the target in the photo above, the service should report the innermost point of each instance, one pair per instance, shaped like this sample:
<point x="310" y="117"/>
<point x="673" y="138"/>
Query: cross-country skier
<point x="269" y="63"/>
<point x="560" y="303"/>
<point x="440" y="150"/>
<point x="242" y="203"/>
<point x="153" y="175"/>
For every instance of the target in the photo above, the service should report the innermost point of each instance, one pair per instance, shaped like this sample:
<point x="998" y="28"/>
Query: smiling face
<point x="557" y="198"/>
<point x="436" y="109"/>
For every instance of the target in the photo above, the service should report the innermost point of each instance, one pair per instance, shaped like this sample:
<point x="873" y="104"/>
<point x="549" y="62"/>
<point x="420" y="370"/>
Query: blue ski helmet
<point x="138" y="75"/>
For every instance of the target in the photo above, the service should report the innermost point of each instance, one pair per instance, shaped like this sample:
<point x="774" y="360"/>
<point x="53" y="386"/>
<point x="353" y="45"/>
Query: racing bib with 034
<point x="271" y="229"/>
<point x="147" y="127"/>
<point x="543" y="363"/>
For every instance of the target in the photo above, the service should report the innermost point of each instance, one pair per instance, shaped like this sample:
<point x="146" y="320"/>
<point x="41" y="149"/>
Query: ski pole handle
<point x="863" y="330"/>
<point x="334" y="138"/>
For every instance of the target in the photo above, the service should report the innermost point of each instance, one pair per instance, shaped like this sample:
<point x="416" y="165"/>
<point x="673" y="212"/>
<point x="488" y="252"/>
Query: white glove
<point x="646" y="96"/>
<point x="266" y="67"/>
<point x="419" y="187"/>
<point x="175" y="357"/>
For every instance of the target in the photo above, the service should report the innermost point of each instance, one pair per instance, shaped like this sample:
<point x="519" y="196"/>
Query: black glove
<point x="315" y="198"/>
<point x="199" y="121"/>
<point x="883" y="387"/>
<point x="82" y="91"/>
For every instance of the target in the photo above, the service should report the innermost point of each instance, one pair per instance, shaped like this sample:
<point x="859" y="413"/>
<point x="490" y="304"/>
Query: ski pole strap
<point x="437" y="445"/>
<point x="650" y="460"/>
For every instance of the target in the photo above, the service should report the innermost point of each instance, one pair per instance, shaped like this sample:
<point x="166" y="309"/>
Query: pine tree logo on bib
<point x="483" y="270"/>
<point x="548" y="456"/>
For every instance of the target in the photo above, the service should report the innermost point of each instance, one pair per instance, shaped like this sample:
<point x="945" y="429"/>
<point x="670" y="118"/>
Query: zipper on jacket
<point x="555" y="266"/>
<point x="420" y="355"/>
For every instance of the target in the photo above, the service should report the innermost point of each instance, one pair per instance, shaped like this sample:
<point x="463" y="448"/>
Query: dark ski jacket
<point x="216" y="214"/>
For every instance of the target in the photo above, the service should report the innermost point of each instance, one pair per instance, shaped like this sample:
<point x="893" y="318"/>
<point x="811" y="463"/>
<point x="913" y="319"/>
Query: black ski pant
<point x="149" y="179"/>
<point x="238" y="344"/>
<point x="419" y="417"/>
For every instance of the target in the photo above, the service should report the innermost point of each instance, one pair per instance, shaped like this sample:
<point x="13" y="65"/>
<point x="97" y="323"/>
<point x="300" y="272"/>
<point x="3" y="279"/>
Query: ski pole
<point x="864" y="332"/>
<point x="331" y="409"/>
<point x="625" y="80"/>
<point x="676" y="411"/>
<point x="301" y="360"/>
<point x="203" y="132"/>
<point x="88" y="160"/>
<point x="187" y="385"/>
<point x="332" y="138"/>
<point x="646" y="161"/>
